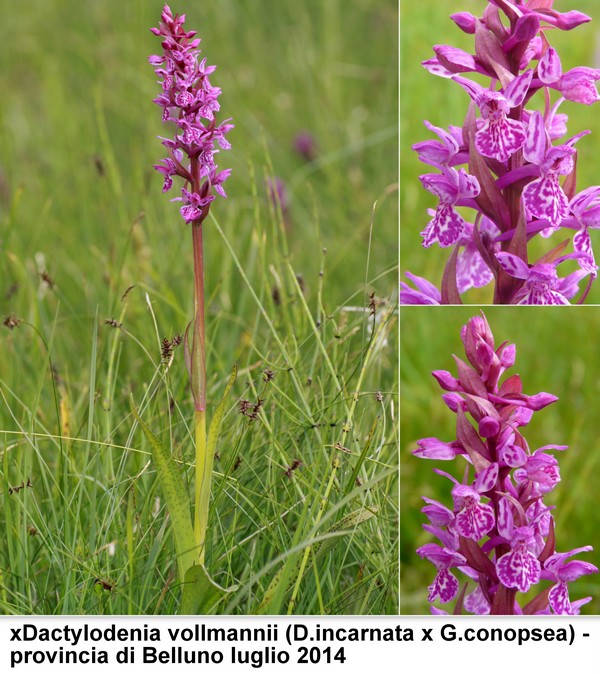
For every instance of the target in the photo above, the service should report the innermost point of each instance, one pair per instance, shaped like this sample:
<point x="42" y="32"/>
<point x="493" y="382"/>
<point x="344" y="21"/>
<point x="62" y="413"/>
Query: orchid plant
<point x="497" y="531"/>
<point x="189" y="102"/>
<point x="509" y="164"/>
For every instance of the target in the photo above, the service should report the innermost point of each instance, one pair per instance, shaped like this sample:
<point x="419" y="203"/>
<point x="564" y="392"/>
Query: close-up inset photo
<point x="499" y="142"/>
<point x="499" y="443"/>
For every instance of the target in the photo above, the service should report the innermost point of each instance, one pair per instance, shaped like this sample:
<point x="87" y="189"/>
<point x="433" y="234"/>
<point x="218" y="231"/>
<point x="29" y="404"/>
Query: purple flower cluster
<point x="509" y="162"/>
<point x="190" y="101"/>
<point x="498" y="531"/>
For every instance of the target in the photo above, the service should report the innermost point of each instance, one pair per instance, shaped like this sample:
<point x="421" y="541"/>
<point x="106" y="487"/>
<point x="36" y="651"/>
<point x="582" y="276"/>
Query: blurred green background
<point x="424" y="96"/>
<point x="557" y="352"/>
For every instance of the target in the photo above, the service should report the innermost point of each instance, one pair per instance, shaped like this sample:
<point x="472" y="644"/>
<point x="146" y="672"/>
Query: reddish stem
<point x="198" y="365"/>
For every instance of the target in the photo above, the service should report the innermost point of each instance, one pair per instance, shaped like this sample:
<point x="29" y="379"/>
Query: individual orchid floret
<point x="544" y="197"/>
<point x="520" y="568"/>
<point x="456" y="60"/>
<point x="437" y="513"/>
<point x="168" y="170"/>
<point x="471" y="269"/>
<point x="563" y="572"/>
<point x="432" y="448"/>
<point x="499" y="137"/>
<point x="466" y="21"/>
<point x="440" y="152"/>
<point x="445" y="584"/>
<point x="542" y="284"/>
<point x="578" y="84"/>
<point x="194" y="204"/>
<point x="540" y="470"/>
<point x="452" y="187"/>
<point x="498" y="532"/>
<point x="473" y="519"/>
<point x="477" y="603"/>
<point x="446" y="380"/>
<point x="510" y="451"/>
<point x="585" y="214"/>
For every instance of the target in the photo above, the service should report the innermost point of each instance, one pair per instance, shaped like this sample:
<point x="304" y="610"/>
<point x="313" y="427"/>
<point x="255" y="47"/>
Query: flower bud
<point x="465" y="21"/>
<point x="454" y="401"/>
<point x="489" y="427"/>
<point x="446" y="380"/>
<point x="508" y="356"/>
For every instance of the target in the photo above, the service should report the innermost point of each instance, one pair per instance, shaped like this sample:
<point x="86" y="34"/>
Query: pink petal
<point x="549" y="67"/>
<point x="516" y="91"/>
<point x="513" y="265"/>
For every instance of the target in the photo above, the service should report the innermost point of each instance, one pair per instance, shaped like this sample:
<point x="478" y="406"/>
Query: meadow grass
<point x="556" y="353"/>
<point x="426" y="97"/>
<point x="96" y="264"/>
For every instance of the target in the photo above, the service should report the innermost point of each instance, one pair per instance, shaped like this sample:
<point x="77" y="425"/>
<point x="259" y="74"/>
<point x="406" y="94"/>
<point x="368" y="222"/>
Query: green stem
<point x="198" y="380"/>
<point x="204" y="464"/>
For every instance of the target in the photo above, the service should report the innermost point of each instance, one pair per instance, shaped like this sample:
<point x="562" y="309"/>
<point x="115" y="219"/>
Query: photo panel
<point x="499" y="191"/>
<point x="499" y="446"/>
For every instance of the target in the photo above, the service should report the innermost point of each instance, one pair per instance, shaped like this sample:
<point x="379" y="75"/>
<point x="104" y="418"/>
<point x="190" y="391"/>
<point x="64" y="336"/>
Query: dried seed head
<point x="46" y="278"/>
<point x="250" y="410"/>
<point x="244" y="405"/>
<point x="166" y="350"/>
<point x="373" y="303"/>
<point x="289" y="471"/>
<point x="11" y="322"/>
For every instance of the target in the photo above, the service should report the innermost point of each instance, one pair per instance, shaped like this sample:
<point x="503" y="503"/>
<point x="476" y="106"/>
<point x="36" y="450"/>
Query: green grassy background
<point x="557" y="353"/>
<point x="424" y="96"/>
<point x="79" y="200"/>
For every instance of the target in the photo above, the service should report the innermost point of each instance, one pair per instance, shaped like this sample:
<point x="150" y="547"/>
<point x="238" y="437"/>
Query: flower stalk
<point x="198" y="383"/>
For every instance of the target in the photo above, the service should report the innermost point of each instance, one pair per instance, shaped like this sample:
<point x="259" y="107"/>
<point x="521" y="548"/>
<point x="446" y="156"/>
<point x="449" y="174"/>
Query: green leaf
<point x="177" y="498"/>
<point x="286" y="577"/>
<point x="215" y="424"/>
<point x="201" y="595"/>
<point x="204" y="465"/>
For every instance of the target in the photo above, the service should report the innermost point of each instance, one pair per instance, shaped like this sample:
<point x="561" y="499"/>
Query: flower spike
<point x="497" y="531"/>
